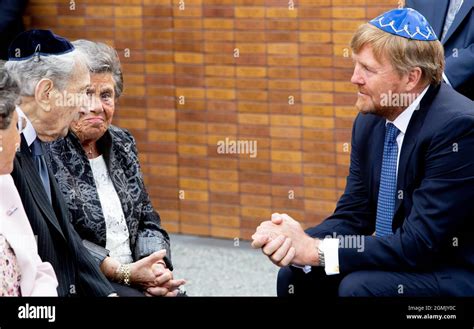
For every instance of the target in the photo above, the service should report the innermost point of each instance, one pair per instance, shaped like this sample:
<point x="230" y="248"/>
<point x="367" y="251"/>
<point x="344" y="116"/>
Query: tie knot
<point x="36" y="148"/>
<point x="391" y="132"/>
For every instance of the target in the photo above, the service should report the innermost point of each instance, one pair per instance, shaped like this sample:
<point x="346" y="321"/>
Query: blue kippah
<point x="37" y="43"/>
<point x="406" y="23"/>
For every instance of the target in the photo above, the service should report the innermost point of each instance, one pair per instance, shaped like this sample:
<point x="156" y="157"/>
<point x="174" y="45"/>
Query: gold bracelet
<point x="123" y="274"/>
<point x="127" y="273"/>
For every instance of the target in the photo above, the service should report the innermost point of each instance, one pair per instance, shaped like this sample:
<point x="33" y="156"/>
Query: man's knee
<point x="285" y="282"/>
<point x="294" y="281"/>
<point x="356" y="284"/>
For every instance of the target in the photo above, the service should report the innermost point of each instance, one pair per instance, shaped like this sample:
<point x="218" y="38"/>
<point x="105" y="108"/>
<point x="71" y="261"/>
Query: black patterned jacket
<point x="74" y="175"/>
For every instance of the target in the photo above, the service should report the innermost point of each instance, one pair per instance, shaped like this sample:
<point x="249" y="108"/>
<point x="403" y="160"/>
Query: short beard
<point x="387" y="112"/>
<point x="364" y="107"/>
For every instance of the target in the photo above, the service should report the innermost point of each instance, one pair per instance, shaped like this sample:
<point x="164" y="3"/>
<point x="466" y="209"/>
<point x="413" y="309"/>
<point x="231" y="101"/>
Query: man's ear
<point x="414" y="77"/>
<point x="44" y="94"/>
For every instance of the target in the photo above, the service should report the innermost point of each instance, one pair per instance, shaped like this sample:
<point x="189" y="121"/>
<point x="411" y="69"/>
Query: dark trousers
<point x="293" y="281"/>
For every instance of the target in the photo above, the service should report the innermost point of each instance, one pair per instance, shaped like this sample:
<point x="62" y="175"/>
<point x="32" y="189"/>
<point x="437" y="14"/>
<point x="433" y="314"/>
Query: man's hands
<point x="284" y="241"/>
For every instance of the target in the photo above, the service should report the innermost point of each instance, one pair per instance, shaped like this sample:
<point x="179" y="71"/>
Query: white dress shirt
<point x="29" y="131"/>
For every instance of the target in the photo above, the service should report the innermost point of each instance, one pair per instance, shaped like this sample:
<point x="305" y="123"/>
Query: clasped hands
<point x="151" y="274"/>
<point x="284" y="242"/>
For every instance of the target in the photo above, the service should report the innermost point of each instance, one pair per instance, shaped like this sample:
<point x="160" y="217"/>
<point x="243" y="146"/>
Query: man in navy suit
<point x="404" y="225"/>
<point x="453" y="22"/>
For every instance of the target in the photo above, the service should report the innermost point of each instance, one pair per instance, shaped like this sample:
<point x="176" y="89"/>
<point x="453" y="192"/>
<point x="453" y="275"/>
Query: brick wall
<point x="198" y="72"/>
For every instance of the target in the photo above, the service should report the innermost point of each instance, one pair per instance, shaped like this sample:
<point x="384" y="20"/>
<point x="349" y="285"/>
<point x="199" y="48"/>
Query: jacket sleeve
<point x="45" y="280"/>
<point x="151" y="236"/>
<point x="92" y="281"/>
<point x="460" y="66"/>
<point x="441" y="204"/>
<point x="99" y="253"/>
<point x="353" y="214"/>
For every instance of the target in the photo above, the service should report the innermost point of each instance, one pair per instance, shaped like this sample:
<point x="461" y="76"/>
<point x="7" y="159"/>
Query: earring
<point x="1" y="143"/>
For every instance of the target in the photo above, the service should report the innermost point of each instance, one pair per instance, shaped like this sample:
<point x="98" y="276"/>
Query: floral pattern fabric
<point x="10" y="275"/>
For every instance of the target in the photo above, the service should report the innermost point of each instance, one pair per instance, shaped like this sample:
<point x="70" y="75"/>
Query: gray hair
<point x="8" y="97"/>
<point x="57" y="68"/>
<point x="102" y="58"/>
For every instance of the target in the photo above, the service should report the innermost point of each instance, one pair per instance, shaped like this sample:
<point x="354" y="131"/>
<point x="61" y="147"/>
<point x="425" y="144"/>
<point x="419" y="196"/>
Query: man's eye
<point x="368" y="69"/>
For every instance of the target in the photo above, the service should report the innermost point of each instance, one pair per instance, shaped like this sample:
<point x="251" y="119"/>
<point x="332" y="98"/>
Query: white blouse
<point x="117" y="235"/>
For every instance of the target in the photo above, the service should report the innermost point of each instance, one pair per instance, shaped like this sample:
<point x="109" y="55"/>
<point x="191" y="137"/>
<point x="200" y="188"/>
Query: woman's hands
<point x="152" y="275"/>
<point x="165" y="284"/>
<point x="142" y="272"/>
<point x="149" y="273"/>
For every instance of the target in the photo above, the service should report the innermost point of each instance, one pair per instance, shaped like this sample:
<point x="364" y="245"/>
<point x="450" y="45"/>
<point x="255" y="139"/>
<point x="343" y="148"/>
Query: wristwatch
<point x="320" y="254"/>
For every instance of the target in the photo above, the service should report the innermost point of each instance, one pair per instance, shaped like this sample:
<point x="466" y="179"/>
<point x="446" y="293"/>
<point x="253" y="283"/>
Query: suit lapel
<point x="56" y="194"/>
<point x="379" y="130"/>
<point x="35" y="185"/>
<point x="465" y="9"/>
<point x="409" y="143"/>
<point x="436" y="16"/>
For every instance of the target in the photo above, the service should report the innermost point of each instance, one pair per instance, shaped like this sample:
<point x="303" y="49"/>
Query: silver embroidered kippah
<point x="406" y="23"/>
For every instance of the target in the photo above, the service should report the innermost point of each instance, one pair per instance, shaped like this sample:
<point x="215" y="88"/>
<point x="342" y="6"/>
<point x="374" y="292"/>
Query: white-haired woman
<point x="98" y="170"/>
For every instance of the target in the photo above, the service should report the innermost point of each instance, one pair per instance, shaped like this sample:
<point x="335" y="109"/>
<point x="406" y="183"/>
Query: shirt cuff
<point x="330" y="248"/>
<point x="445" y="78"/>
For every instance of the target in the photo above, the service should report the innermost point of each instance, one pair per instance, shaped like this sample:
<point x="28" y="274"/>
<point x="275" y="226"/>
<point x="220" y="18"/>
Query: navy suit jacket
<point x="459" y="41"/>
<point x="58" y="242"/>
<point x="433" y="223"/>
<point x="11" y="23"/>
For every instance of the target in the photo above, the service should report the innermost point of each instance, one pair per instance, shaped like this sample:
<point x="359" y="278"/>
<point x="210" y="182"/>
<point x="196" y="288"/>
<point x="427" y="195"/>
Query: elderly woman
<point x="97" y="168"/>
<point x="22" y="272"/>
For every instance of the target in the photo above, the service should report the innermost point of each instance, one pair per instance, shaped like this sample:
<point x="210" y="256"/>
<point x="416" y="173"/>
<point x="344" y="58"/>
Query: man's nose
<point x="356" y="77"/>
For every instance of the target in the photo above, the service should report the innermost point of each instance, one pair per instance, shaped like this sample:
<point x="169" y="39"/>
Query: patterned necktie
<point x="41" y="166"/>
<point x="388" y="183"/>
<point x="453" y="9"/>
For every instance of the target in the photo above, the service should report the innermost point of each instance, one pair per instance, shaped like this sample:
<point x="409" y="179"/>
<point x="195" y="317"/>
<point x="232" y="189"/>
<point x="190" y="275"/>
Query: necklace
<point x="91" y="153"/>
